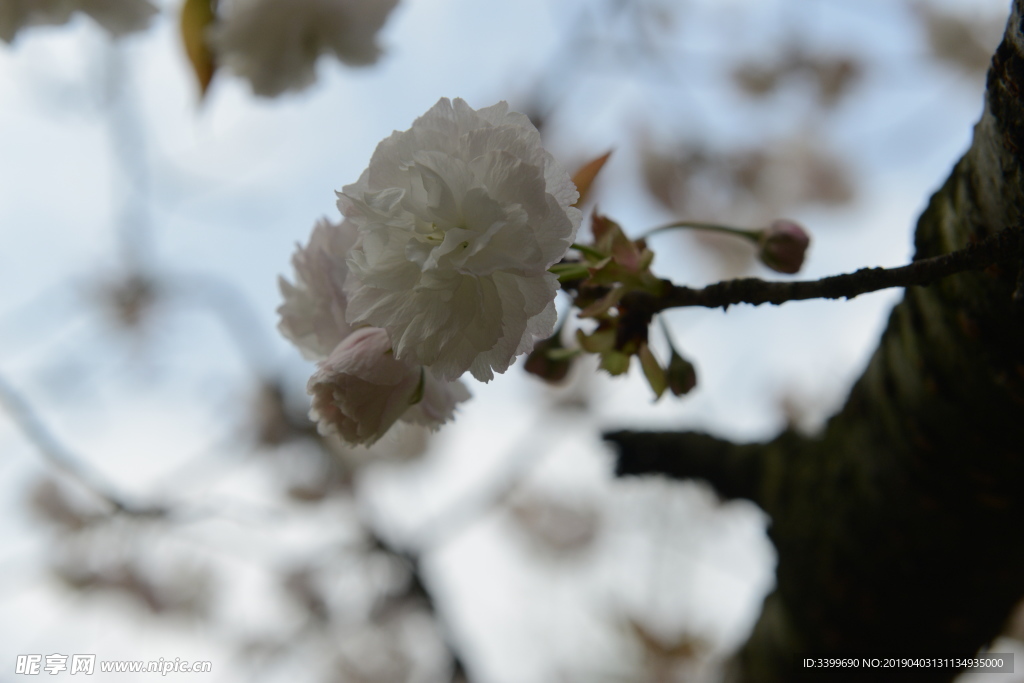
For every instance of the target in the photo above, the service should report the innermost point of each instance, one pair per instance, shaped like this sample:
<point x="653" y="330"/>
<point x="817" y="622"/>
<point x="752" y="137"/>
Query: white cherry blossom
<point x="359" y="389"/>
<point x="459" y="219"/>
<point x="313" y="312"/>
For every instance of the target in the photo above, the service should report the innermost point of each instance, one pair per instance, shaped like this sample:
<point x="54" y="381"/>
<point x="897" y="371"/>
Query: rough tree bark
<point x="899" y="528"/>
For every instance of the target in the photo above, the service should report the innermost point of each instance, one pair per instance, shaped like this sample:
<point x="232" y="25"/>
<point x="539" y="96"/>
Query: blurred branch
<point x="61" y="457"/>
<point x="127" y="133"/>
<point x="233" y="309"/>
<point x="419" y="588"/>
<point x="483" y="497"/>
<point x="456" y="517"/>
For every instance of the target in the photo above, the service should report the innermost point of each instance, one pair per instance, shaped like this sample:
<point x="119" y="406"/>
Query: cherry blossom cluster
<point x="452" y="247"/>
<point x="440" y="266"/>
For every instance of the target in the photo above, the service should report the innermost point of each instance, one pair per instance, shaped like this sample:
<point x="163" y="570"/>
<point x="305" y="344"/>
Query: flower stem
<point x="1002" y="247"/>
<point x="753" y="235"/>
<point x="589" y="251"/>
<point x="567" y="272"/>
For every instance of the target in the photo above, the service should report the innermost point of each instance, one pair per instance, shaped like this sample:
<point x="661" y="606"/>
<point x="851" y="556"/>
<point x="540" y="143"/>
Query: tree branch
<point x="895" y="526"/>
<point x="1002" y="246"/>
<point x="61" y="457"/>
<point x="733" y="470"/>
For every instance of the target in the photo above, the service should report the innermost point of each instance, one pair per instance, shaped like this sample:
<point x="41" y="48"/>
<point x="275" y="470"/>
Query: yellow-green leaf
<point x="567" y="272"/>
<point x="615" y="362"/>
<point x="196" y="18"/>
<point x="652" y="371"/>
<point x="601" y="306"/>
<point x="417" y="395"/>
<point x="599" y="341"/>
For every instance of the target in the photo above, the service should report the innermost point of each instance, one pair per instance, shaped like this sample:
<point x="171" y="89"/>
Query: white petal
<point x="314" y="308"/>
<point x="361" y="389"/>
<point x="459" y="218"/>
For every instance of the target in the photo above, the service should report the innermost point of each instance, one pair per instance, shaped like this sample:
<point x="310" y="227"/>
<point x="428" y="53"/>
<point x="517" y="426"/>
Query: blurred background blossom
<point x="165" y="492"/>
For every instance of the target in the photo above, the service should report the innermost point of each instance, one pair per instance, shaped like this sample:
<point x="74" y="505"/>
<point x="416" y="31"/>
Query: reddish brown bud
<point x="550" y="360"/>
<point x="783" y="246"/>
<point x="681" y="375"/>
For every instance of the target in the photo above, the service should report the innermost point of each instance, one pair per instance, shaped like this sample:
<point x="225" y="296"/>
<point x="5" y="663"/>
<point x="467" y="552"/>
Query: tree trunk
<point x="899" y="529"/>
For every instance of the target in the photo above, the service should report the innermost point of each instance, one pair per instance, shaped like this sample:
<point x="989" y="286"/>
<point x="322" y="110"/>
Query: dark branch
<point x="733" y="470"/>
<point x="1003" y="246"/>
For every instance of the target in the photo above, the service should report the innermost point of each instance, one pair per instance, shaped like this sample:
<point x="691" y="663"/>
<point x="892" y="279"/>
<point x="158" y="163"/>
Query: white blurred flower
<point x="118" y="17"/>
<point x="275" y="44"/>
<point x="361" y="390"/>
<point x="459" y="219"/>
<point x="313" y="312"/>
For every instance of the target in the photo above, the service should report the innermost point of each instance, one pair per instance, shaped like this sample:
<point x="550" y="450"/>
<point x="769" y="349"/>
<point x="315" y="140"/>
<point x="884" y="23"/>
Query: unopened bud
<point x="550" y="360"/>
<point x="783" y="245"/>
<point x="681" y="375"/>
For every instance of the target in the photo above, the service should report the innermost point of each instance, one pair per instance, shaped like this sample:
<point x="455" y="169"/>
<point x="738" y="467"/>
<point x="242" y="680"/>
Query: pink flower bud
<point x="361" y="390"/>
<point x="783" y="246"/>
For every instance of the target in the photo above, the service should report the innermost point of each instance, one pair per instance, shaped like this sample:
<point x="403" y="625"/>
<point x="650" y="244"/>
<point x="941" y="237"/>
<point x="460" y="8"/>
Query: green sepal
<point x="417" y="395"/>
<point x="681" y="375"/>
<point x="598" y="341"/>
<point x="653" y="371"/>
<point x="567" y="272"/>
<point x="615" y="362"/>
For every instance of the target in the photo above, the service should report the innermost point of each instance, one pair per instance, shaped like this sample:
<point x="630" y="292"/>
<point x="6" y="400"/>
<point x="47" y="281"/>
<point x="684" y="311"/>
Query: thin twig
<point x="61" y="457"/>
<point x="753" y="235"/>
<point x="484" y="497"/>
<point x="1003" y="246"/>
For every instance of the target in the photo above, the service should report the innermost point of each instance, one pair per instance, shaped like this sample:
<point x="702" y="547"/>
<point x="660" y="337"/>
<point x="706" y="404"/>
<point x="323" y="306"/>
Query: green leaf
<point x="562" y="354"/>
<point x="601" y="306"/>
<point x="196" y="18"/>
<point x="417" y="395"/>
<point x="599" y="341"/>
<point x="589" y="252"/>
<point x="567" y="272"/>
<point x="615" y="362"/>
<point x="652" y="370"/>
